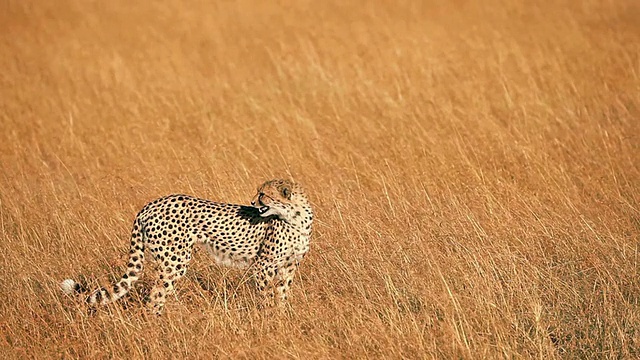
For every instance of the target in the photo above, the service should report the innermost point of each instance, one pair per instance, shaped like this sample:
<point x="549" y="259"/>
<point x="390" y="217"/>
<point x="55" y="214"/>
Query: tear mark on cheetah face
<point x="281" y="198"/>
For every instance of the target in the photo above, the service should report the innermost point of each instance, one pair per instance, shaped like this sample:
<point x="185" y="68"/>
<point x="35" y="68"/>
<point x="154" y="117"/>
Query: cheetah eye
<point x="286" y="193"/>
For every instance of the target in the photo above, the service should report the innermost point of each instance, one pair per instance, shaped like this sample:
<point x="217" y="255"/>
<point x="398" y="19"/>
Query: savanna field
<point x="473" y="167"/>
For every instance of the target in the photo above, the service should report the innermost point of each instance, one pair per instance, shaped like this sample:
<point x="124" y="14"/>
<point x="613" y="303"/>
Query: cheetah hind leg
<point x="168" y="275"/>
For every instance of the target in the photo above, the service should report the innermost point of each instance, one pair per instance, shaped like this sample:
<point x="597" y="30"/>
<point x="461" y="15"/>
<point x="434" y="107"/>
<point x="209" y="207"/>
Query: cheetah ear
<point x="286" y="192"/>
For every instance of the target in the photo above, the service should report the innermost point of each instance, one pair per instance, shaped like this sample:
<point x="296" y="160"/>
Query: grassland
<point x="473" y="167"/>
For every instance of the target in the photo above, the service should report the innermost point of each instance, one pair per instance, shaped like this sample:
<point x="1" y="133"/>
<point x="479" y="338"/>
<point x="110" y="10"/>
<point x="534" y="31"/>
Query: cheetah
<point x="272" y="236"/>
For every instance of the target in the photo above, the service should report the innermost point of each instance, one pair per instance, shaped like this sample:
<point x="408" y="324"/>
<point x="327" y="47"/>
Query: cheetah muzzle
<point x="272" y="236"/>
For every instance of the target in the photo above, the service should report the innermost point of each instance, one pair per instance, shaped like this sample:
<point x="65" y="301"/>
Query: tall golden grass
<point x="474" y="168"/>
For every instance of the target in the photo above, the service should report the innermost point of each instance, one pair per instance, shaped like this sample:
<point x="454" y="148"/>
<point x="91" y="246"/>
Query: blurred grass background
<point x="473" y="168"/>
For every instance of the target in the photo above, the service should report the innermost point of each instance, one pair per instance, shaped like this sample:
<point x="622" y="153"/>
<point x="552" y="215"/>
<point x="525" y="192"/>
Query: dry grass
<point x="474" y="170"/>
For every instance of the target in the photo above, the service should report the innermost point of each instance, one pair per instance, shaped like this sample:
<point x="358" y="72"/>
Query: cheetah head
<point x="281" y="198"/>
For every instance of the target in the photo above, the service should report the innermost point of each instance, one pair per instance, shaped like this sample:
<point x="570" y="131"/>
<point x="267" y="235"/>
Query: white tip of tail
<point x="68" y="286"/>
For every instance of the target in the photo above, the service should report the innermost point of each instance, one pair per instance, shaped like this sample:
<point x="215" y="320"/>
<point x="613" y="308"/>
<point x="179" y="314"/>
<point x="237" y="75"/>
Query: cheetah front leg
<point x="275" y="274"/>
<point x="286" y="274"/>
<point x="265" y="273"/>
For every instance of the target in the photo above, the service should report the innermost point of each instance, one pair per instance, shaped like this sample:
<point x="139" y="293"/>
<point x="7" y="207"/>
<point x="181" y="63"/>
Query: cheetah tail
<point x="135" y="265"/>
